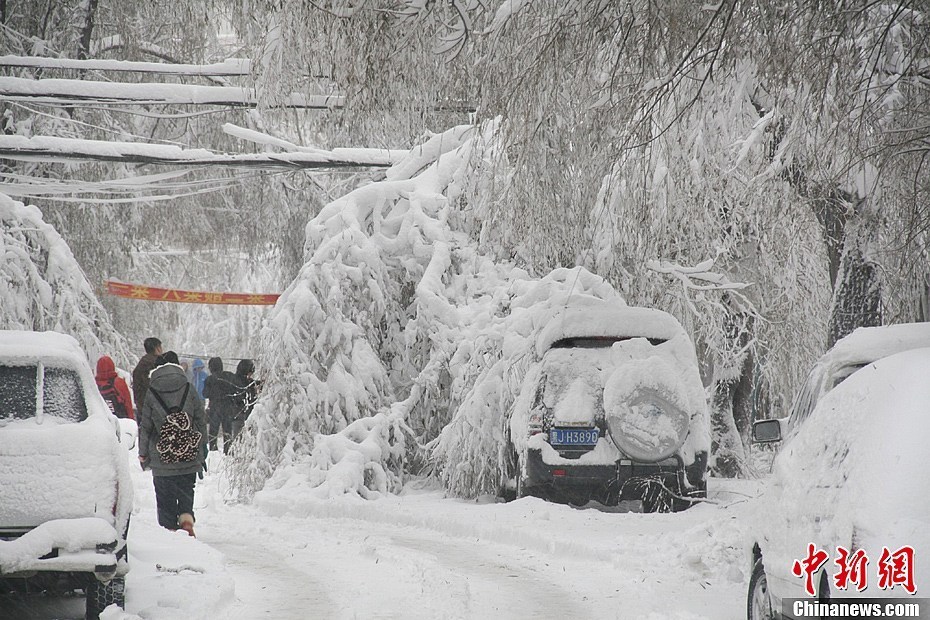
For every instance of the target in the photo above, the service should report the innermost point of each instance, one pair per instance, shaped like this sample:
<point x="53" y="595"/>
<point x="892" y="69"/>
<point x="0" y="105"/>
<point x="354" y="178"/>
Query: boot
<point x="186" y="523"/>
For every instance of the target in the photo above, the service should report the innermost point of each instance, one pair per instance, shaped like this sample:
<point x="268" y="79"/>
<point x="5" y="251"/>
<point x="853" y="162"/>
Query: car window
<point x="840" y="375"/>
<point x="62" y="394"/>
<point x="563" y="366"/>
<point x="805" y="401"/>
<point x="17" y="393"/>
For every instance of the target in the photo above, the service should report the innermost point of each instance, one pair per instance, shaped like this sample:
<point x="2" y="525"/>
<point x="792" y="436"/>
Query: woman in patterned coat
<point x="173" y="451"/>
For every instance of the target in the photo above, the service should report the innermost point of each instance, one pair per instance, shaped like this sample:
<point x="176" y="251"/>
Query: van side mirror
<point x="766" y="431"/>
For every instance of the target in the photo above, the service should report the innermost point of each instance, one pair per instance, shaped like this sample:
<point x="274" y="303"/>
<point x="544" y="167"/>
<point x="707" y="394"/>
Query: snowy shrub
<point x="43" y="288"/>
<point x="366" y="458"/>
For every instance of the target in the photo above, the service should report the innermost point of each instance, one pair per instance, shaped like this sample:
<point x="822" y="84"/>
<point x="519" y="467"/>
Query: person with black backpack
<point x="172" y="433"/>
<point x="113" y="388"/>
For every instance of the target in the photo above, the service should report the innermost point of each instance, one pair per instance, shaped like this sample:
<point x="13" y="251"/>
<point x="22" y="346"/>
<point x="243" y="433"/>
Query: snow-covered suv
<point x="613" y="409"/>
<point x="65" y="488"/>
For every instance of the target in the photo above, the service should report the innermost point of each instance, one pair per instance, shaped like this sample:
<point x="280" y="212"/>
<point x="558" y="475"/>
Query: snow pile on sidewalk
<point x="173" y="575"/>
<point x="398" y="313"/>
<point x="42" y="287"/>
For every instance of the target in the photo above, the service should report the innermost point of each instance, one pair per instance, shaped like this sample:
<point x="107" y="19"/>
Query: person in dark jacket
<point x="222" y="391"/>
<point x="246" y="396"/>
<point x="174" y="480"/>
<point x="140" y="374"/>
<point x="113" y="388"/>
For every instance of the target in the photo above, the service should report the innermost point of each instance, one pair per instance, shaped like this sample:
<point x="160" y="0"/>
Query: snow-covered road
<point x="349" y="568"/>
<point x="422" y="555"/>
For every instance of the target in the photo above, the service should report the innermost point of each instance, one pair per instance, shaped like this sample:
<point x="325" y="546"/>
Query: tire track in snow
<point x="269" y="585"/>
<point x="496" y="586"/>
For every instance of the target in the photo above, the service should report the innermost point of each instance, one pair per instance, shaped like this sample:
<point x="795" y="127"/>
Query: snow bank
<point x="173" y="576"/>
<point x="365" y="458"/>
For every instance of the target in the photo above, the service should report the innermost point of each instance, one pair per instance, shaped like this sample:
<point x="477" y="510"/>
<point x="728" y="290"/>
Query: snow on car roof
<point x="608" y="320"/>
<point x="868" y="344"/>
<point x="29" y="345"/>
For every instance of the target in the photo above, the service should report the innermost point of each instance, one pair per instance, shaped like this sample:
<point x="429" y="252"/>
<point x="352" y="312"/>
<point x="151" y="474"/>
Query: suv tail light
<point x="535" y="425"/>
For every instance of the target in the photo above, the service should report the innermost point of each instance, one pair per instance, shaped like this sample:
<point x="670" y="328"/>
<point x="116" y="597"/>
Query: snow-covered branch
<point x="715" y="281"/>
<point x="45" y="148"/>
<point x="183" y="94"/>
<point x="710" y="281"/>
<point x="229" y="67"/>
<point x="42" y="287"/>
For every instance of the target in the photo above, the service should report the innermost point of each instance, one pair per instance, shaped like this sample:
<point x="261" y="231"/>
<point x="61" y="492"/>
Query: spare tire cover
<point x="647" y="410"/>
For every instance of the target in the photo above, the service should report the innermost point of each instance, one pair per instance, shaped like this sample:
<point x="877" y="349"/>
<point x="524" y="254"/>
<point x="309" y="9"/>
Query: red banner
<point x="152" y="293"/>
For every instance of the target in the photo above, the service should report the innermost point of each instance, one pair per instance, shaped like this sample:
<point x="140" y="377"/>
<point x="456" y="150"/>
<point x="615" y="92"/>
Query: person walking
<point x="140" y="374"/>
<point x="221" y="389"/>
<point x="198" y="376"/>
<point x="172" y="432"/>
<point x="113" y="388"/>
<point x="246" y="396"/>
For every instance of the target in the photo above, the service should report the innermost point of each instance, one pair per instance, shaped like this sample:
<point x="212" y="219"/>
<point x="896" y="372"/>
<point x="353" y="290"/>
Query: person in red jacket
<point x="113" y="388"/>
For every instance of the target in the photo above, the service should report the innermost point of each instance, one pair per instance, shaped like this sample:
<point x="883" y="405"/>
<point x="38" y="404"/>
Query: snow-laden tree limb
<point x="702" y="272"/>
<point x="89" y="91"/>
<point x="46" y="148"/>
<point x="229" y="67"/>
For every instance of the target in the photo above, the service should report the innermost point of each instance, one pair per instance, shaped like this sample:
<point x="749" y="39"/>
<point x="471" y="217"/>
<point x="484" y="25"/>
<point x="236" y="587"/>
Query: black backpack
<point x="111" y="396"/>
<point x="178" y="440"/>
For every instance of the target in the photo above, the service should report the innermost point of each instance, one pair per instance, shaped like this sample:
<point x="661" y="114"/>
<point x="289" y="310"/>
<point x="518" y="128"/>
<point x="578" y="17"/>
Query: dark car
<point x="613" y="409"/>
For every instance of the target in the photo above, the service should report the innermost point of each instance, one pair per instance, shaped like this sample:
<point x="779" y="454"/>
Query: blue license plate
<point x="573" y="436"/>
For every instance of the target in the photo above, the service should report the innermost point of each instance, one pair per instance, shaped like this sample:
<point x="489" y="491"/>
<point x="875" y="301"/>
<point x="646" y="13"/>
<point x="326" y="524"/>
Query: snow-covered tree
<point x="42" y="287"/>
<point x="763" y="138"/>
<point x="203" y="229"/>
<point x="401" y="346"/>
<point x="679" y="150"/>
